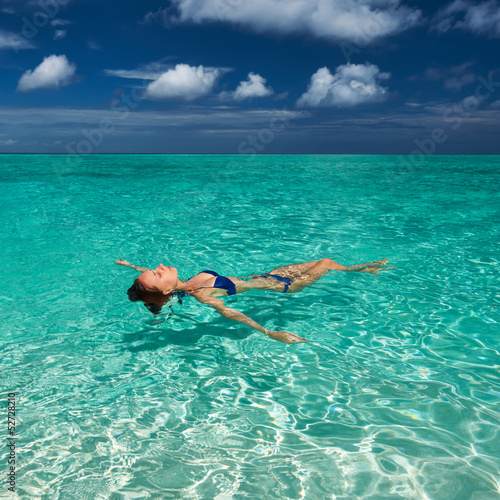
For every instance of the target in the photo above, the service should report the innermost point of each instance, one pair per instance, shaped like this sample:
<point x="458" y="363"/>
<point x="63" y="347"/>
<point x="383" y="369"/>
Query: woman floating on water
<point x="155" y="287"/>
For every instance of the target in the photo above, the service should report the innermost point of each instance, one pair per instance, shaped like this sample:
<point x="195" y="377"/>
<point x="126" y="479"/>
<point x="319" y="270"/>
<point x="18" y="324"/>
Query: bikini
<point x="225" y="283"/>
<point x="287" y="281"/>
<point x="220" y="282"/>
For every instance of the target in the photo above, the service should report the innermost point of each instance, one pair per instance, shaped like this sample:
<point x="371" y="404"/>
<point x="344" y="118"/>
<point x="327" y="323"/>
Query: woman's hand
<point x="286" y="337"/>
<point x="126" y="263"/>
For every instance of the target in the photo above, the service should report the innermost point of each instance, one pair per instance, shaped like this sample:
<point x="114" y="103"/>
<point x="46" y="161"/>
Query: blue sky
<point x="262" y="76"/>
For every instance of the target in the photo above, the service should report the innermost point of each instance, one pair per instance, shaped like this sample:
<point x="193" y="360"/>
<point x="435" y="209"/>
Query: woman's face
<point x="161" y="279"/>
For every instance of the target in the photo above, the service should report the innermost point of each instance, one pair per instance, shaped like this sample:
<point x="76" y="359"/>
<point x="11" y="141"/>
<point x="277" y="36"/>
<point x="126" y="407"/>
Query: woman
<point x="156" y="286"/>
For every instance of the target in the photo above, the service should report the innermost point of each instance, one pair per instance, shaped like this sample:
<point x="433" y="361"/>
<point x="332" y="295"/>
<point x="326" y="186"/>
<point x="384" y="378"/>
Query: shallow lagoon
<point x="395" y="396"/>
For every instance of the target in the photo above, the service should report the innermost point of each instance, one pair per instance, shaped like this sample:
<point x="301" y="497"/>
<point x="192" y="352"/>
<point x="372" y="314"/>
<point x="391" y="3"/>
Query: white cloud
<point x="496" y="105"/>
<point x="150" y="71"/>
<point x="13" y="41"/>
<point x="253" y="86"/>
<point x="437" y="73"/>
<point x="54" y="72"/>
<point x="457" y="82"/>
<point x="67" y="123"/>
<point x="183" y="82"/>
<point x="283" y="95"/>
<point x="133" y="74"/>
<point x="352" y="84"/>
<point x="8" y="142"/>
<point x="481" y="19"/>
<point x="335" y="19"/>
<point x="161" y="16"/>
<point x="453" y="77"/>
<point x="60" y="34"/>
<point x="60" y="22"/>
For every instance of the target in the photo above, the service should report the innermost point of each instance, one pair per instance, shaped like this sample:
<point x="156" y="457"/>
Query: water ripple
<point x="395" y="395"/>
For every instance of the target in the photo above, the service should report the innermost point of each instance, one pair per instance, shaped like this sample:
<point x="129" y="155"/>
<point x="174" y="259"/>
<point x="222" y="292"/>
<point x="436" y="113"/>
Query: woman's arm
<point x="220" y="307"/>
<point x="125" y="263"/>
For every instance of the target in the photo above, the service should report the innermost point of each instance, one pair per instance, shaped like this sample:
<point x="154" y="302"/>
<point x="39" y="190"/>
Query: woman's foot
<point x="372" y="267"/>
<point x="376" y="267"/>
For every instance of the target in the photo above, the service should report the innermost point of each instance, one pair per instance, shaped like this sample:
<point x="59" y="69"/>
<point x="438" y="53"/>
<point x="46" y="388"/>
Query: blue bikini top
<point x="220" y="282"/>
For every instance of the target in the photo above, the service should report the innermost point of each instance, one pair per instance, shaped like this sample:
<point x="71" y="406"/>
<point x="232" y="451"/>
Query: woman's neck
<point x="183" y="286"/>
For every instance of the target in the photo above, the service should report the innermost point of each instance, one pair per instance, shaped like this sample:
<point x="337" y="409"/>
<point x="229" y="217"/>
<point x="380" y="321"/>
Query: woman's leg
<point x="307" y="273"/>
<point x="324" y="265"/>
<point x="294" y="269"/>
<point x="288" y="271"/>
<point x="313" y="274"/>
<point x="294" y="272"/>
<point x="298" y="269"/>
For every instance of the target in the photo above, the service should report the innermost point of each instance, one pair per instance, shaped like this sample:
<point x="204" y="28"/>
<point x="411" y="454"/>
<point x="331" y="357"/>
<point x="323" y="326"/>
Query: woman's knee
<point x="331" y="264"/>
<point x="327" y="263"/>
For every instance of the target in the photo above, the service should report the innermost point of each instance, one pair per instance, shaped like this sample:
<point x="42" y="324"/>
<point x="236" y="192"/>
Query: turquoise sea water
<point x="395" y="396"/>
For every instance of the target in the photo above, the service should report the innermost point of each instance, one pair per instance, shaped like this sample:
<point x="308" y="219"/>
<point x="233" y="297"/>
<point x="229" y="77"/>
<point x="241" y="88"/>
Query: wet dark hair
<point x="150" y="298"/>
